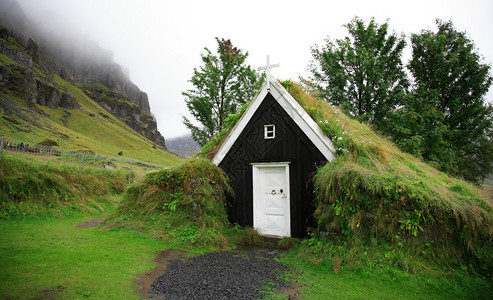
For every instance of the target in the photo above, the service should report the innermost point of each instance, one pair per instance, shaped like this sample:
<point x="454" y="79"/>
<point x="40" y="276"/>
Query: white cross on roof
<point x="267" y="70"/>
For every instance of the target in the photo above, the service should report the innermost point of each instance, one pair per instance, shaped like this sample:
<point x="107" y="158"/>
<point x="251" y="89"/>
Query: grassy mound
<point x="29" y="188"/>
<point x="374" y="191"/>
<point x="185" y="203"/>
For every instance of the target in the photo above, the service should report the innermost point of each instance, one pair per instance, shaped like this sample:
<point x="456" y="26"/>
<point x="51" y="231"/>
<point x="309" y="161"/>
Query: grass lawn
<point x="51" y="257"/>
<point x="54" y="256"/>
<point x="319" y="281"/>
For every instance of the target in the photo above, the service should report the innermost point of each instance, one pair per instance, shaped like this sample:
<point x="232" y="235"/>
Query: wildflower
<point x="339" y="138"/>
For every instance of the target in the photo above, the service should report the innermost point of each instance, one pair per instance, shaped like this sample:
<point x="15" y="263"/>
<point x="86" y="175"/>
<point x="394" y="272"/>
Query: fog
<point x="160" y="42"/>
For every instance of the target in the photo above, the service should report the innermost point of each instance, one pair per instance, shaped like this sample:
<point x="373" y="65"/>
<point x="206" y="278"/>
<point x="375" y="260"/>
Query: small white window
<point x="269" y="131"/>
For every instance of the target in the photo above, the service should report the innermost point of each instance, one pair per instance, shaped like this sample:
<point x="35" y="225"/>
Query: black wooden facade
<point x="291" y="145"/>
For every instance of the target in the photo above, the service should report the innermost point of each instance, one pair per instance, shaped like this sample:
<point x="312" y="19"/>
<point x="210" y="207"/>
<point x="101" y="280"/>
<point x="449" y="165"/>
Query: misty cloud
<point x="160" y="42"/>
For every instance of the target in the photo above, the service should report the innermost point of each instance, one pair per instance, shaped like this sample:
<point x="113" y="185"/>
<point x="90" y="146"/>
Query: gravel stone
<point x="220" y="275"/>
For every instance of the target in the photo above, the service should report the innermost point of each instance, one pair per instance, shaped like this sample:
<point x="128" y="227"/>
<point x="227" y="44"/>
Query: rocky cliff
<point x="22" y="78"/>
<point x="40" y="54"/>
<point x="120" y="105"/>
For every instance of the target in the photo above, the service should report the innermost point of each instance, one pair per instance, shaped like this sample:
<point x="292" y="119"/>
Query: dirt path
<point x="94" y="222"/>
<point x="162" y="260"/>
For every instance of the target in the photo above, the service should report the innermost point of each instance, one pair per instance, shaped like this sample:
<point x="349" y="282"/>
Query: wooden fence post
<point x="83" y="160"/>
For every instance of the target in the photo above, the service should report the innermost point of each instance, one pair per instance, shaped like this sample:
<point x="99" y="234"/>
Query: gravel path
<point x="220" y="275"/>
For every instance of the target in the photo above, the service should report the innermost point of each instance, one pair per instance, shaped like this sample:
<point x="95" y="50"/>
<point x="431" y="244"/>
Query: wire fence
<point x="76" y="158"/>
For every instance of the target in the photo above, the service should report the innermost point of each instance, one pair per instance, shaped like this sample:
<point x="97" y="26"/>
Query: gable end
<point x="293" y="109"/>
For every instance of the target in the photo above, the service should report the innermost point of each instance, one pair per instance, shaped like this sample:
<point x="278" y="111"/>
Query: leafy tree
<point x="417" y="128"/>
<point x="363" y="73"/>
<point x="448" y="71"/>
<point x="221" y="86"/>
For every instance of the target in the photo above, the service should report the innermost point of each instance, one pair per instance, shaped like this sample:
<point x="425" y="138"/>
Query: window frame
<point x="269" y="131"/>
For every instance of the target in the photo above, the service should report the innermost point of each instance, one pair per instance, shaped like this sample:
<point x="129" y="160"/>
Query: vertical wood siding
<point x="290" y="144"/>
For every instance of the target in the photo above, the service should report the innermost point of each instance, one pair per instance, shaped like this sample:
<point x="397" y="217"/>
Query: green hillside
<point x="89" y="127"/>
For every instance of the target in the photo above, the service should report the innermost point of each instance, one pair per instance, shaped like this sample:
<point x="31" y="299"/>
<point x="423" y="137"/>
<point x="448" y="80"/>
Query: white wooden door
<point x="271" y="213"/>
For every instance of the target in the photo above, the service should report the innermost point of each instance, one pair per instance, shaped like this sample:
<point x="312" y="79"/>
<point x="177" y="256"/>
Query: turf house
<point x="270" y="157"/>
<point x="290" y="164"/>
<point x="299" y="165"/>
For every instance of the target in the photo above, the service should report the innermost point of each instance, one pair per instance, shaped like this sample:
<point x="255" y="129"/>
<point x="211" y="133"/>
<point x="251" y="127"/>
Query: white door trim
<point x="258" y="193"/>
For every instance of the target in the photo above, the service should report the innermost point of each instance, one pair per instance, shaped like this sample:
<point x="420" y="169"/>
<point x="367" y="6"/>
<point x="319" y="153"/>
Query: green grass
<point x="31" y="188"/>
<point x="43" y="254"/>
<point x="52" y="254"/>
<point x="42" y="250"/>
<point x="319" y="281"/>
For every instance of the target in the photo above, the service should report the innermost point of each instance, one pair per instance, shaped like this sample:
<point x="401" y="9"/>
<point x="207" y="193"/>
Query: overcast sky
<point x="160" y="42"/>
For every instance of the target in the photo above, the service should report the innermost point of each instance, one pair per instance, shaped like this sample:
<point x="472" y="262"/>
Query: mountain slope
<point x="36" y="105"/>
<point x="47" y="49"/>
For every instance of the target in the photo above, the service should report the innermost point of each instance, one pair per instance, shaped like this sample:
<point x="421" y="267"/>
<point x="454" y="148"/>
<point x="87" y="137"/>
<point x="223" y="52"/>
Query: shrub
<point x="185" y="203"/>
<point x="49" y="142"/>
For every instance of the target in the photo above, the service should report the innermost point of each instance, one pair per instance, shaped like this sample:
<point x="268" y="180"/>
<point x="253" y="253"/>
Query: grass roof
<point x="374" y="190"/>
